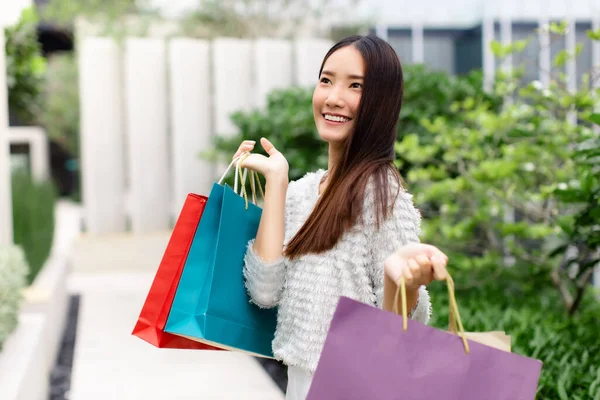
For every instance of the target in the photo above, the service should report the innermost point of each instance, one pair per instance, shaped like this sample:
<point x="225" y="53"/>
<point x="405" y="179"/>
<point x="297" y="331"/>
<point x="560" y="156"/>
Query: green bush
<point x="527" y="159"/>
<point x="25" y="67"/>
<point x="13" y="272"/>
<point x="288" y="119"/>
<point x="33" y="219"/>
<point x="431" y="94"/>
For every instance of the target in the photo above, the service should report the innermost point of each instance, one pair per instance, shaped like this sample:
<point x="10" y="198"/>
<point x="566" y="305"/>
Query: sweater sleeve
<point x="402" y="226"/>
<point x="264" y="281"/>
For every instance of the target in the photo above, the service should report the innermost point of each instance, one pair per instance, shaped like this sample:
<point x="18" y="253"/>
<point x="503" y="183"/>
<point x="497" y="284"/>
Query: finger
<point x="268" y="146"/>
<point x="412" y="249"/>
<point x="246" y="146"/>
<point x="415" y="270"/>
<point x="439" y="268"/>
<point x="248" y="161"/>
<point x="443" y="257"/>
<point x="240" y="152"/>
<point x="408" y="276"/>
<point x="254" y="162"/>
<point x="431" y="250"/>
<point x="427" y="275"/>
<point x="426" y="268"/>
<point x="394" y="267"/>
<point x="424" y="261"/>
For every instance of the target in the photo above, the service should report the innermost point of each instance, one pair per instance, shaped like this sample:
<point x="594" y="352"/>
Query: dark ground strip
<point x="276" y="370"/>
<point x="60" y="377"/>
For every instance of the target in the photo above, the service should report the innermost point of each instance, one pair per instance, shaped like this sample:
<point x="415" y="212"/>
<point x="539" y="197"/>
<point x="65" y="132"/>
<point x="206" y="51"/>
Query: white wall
<point x="102" y="137"/>
<point x="39" y="149"/>
<point x="10" y="10"/>
<point x="465" y="13"/>
<point x="149" y="108"/>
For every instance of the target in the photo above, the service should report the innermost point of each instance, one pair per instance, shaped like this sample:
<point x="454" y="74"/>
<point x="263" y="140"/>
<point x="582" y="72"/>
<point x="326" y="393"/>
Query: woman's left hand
<point x="419" y="263"/>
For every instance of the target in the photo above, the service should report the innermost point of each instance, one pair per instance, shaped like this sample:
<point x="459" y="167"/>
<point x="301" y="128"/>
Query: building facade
<point x="455" y="38"/>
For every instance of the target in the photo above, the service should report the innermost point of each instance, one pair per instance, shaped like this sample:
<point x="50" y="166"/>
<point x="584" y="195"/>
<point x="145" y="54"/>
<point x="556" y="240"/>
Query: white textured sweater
<point x="306" y="290"/>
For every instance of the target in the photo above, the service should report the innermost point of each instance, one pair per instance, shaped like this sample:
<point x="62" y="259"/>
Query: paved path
<point x="112" y="274"/>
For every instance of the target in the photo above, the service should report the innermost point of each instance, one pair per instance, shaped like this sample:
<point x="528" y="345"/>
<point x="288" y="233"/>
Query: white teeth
<point x="336" y="118"/>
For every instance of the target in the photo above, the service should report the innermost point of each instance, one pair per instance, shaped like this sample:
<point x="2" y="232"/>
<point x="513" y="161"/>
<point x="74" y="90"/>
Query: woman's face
<point x="337" y="95"/>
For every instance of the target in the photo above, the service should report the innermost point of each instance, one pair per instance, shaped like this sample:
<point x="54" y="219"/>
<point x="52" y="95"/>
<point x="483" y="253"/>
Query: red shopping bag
<point x="155" y="311"/>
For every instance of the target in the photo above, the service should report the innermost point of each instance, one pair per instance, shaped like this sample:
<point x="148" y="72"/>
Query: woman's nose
<point x="334" y="99"/>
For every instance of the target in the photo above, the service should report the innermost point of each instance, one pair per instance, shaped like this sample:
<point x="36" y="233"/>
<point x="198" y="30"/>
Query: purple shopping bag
<point x="368" y="356"/>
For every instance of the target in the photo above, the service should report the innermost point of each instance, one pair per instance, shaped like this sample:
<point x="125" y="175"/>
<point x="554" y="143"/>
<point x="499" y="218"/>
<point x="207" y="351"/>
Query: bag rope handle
<point x="454" y="315"/>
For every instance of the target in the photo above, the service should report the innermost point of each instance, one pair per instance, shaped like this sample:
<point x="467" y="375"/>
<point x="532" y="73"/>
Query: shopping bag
<point x="373" y="354"/>
<point x="153" y="316"/>
<point x="211" y="304"/>
<point x="496" y="339"/>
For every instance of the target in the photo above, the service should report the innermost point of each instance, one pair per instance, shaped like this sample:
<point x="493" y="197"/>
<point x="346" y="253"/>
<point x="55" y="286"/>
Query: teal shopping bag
<point x="211" y="304"/>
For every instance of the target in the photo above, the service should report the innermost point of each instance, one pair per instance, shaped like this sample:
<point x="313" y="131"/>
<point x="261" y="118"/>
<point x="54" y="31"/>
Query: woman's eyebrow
<point x="352" y="76"/>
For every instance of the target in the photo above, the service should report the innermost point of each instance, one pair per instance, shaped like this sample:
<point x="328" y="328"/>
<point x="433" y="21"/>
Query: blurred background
<point x="112" y="111"/>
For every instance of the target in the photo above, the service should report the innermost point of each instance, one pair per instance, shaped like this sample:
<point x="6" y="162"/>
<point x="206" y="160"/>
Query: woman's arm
<point x="264" y="268"/>
<point x="263" y="264"/>
<point x="402" y="227"/>
<point x="269" y="238"/>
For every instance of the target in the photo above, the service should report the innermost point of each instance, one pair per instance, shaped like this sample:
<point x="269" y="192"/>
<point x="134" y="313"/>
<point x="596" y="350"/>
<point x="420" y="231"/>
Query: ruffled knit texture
<point x="306" y="290"/>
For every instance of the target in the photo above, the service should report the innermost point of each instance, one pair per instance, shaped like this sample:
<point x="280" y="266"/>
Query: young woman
<point x="349" y="231"/>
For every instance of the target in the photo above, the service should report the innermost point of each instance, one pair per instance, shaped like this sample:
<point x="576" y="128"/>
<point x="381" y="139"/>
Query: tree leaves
<point x="564" y="55"/>
<point x="593" y="35"/>
<point x="595" y="118"/>
<point x="25" y="67"/>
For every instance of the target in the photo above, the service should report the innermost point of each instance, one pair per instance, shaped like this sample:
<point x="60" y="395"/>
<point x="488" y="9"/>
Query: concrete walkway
<point x="113" y="274"/>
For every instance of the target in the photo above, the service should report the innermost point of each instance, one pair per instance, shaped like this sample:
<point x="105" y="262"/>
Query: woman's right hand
<point x="273" y="167"/>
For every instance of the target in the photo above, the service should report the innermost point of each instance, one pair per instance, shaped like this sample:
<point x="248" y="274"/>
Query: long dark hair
<point x="368" y="152"/>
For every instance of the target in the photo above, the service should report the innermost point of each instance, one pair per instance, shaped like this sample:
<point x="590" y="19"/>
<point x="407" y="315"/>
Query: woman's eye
<point x="325" y="80"/>
<point x="357" y="85"/>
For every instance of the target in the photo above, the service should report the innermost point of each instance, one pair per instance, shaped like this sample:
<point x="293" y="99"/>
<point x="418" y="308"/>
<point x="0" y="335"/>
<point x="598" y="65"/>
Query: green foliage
<point x="594" y="35"/>
<point x="65" y="12"/>
<point x="33" y="219"/>
<point x="116" y="18"/>
<point x="502" y="50"/>
<point x="257" y="18"/>
<point x="60" y="114"/>
<point x="25" y="67"/>
<point x="209" y="19"/>
<point x="430" y="94"/>
<point x="581" y="227"/>
<point x="525" y="304"/>
<point x="473" y="170"/>
<point x="558" y="28"/>
<point x="527" y="158"/>
<point x="13" y="271"/>
<point x="288" y="120"/>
